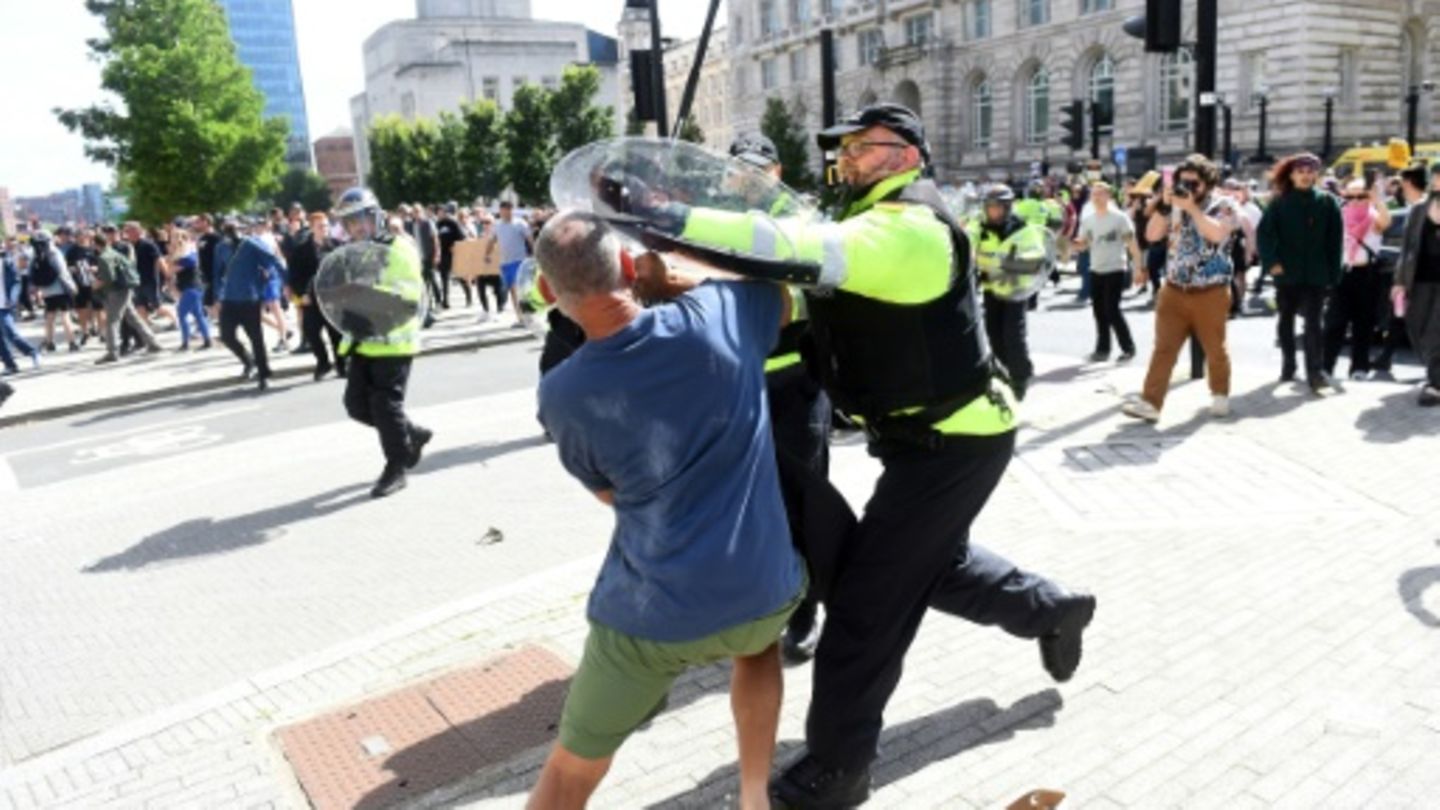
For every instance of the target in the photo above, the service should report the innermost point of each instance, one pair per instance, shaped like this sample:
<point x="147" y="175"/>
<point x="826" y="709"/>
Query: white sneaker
<point x="1220" y="405"/>
<point x="484" y="317"/>
<point x="1140" y="409"/>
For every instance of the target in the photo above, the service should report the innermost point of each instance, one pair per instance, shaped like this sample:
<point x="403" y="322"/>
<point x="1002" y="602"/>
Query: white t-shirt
<point x="511" y="235"/>
<point x="1109" y="236"/>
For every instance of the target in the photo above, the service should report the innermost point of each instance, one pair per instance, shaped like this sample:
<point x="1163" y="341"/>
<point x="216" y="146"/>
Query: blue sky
<point x="38" y="156"/>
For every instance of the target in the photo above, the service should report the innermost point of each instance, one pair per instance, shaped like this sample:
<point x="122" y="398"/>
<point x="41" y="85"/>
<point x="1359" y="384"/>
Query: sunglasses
<point x="1357" y="197"/>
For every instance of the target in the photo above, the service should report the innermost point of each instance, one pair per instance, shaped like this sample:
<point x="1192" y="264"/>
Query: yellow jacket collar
<point x="881" y="190"/>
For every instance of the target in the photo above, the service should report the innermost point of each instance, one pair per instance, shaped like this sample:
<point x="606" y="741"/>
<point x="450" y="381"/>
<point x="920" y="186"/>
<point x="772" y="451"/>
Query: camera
<point x="1184" y="189"/>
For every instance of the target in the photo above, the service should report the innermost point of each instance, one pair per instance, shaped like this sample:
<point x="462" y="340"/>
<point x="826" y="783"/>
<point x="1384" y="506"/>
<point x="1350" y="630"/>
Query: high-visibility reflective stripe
<point x="782" y="362"/>
<point x="833" y="266"/>
<point x="764" y="238"/>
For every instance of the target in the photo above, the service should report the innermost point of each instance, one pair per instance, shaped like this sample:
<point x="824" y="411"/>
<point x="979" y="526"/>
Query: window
<point x="549" y="82"/>
<point x="1034" y="12"/>
<point x="407" y="105"/>
<point x="831" y="8"/>
<point x="1037" y="107"/>
<point x="798" y="66"/>
<point x="517" y="81"/>
<point x="1252" y="79"/>
<point x="870" y="44"/>
<point x="977" y="22"/>
<point x="982" y="113"/>
<point x="917" y="29"/>
<point x="799" y="13"/>
<point x="1092" y="6"/>
<point x="1349" y="81"/>
<point x="768" y="79"/>
<point x="1177" y="82"/>
<point x="769" y="18"/>
<point x="490" y="88"/>
<point x="1102" y="88"/>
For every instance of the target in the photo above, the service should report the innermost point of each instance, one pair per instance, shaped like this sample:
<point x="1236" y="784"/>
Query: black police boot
<point x="392" y="480"/>
<point x="419" y="437"/>
<point x="802" y="635"/>
<point x="810" y="785"/>
<point x="1060" y="648"/>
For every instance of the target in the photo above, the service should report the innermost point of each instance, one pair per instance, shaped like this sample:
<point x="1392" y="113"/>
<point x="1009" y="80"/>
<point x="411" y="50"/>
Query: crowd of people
<point x="211" y="278"/>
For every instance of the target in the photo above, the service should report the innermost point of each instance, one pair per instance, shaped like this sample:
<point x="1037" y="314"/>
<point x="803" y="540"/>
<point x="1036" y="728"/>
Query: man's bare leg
<point x="756" y="688"/>
<point x="567" y="781"/>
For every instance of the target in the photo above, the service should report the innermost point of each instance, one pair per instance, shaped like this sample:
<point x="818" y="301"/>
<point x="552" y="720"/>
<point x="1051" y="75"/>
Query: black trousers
<point x="564" y="337"/>
<point x="432" y="283"/>
<point x="314" y="327"/>
<point x="910" y="552"/>
<point x="443" y="271"/>
<point x="237" y="315"/>
<point x="1353" y="308"/>
<point x="492" y="283"/>
<point x="375" y="396"/>
<point x="1422" y="318"/>
<point x="1308" y="301"/>
<point x="800" y="424"/>
<point x="1106" y="290"/>
<point x="1005" y="327"/>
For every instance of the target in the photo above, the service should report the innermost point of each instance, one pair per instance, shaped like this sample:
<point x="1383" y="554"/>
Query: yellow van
<point x="1389" y="158"/>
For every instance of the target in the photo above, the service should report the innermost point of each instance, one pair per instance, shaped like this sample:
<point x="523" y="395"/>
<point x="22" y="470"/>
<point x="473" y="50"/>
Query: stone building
<point x="456" y="51"/>
<point x="990" y="77"/>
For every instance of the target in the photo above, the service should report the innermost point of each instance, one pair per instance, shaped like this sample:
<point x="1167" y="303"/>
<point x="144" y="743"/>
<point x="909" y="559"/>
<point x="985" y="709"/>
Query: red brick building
<point x="335" y="161"/>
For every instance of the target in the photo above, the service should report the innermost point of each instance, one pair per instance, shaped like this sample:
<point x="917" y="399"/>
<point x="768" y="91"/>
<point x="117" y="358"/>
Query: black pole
<point x="1229" y="144"/>
<point x="1412" y="103"/>
<point x="657" y="70"/>
<point x="1261" y="155"/>
<point x="827" y="95"/>
<point x="1207" y="32"/>
<point x="1094" y="131"/>
<point x="688" y="97"/>
<point x="1329" y="128"/>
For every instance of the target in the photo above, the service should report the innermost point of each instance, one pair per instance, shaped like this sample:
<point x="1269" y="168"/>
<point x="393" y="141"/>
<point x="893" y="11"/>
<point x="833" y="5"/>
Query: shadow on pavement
<point x="1398" y="418"/>
<point x="241" y="390"/>
<point x="907" y="748"/>
<point x="205" y="536"/>
<point x="1413" y="584"/>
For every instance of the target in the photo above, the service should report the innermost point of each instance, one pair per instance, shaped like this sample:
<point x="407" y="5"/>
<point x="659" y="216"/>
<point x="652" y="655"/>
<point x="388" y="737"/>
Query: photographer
<point x="1199" y="226"/>
<point x="1300" y="240"/>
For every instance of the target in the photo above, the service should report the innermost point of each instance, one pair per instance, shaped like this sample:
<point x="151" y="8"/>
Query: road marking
<point x="8" y="481"/>
<point x="120" y="434"/>
<point x="156" y="443"/>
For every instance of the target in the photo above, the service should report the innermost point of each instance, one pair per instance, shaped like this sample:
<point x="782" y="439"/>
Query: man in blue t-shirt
<point x="662" y="414"/>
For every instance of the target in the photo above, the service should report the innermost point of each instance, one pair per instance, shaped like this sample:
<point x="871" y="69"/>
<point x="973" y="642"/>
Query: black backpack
<point x="43" y="271"/>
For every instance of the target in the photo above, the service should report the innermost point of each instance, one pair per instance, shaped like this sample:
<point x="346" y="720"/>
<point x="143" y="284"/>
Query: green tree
<point x="451" y="181"/>
<point x="781" y="123"/>
<point x="421" y="170"/>
<point x="391" y="160"/>
<point x="578" y="120"/>
<point x="633" y="125"/>
<point x="189" y="133"/>
<point x="482" y="155"/>
<point x="302" y="186"/>
<point x="690" y="131"/>
<point x="529" y="137"/>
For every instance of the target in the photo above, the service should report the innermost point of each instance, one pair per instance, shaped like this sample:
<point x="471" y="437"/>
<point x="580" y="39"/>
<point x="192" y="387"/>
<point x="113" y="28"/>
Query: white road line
<point x="8" y="482"/>
<point x="107" y="437"/>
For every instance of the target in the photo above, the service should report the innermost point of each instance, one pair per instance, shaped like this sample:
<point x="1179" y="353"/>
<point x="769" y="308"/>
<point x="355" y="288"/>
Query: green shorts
<point x="623" y="681"/>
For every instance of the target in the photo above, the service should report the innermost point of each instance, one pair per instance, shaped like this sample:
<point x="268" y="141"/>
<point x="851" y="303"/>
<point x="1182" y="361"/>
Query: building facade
<point x="335" y="161"/>
<point x="990" y="77"/>
<point x="264" y="35"/>
<point x="456" y="51"/>
<point x="7" y="212"/>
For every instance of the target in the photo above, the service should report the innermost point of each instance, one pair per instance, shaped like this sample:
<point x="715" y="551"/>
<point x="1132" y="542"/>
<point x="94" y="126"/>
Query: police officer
<point x="379" y="366"/>
<point x="799" y="409"/>
<point x="1009" y="254"/>
<point x="898" y="344"/>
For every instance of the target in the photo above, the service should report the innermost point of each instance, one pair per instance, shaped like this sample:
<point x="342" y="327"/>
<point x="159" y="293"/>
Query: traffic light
<point x="1101" y="116"/>
<point x="1074" y="125"/>
<point x="1162" y="26"/>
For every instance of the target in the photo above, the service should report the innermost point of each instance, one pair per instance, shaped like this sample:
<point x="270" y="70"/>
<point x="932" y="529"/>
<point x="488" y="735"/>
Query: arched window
<point x="982" y="113"/>
<point x="1177" y="91"/>
<point x="1037" y="107"/>
<point x="1102" y="88"/>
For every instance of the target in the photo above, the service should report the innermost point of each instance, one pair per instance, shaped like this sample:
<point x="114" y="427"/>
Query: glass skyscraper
<point x="264" y="34"/>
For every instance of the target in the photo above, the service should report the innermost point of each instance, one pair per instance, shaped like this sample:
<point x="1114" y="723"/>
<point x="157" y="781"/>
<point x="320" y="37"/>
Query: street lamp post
<point x="1262" y="97"/>
<point x="1329" y="143"/>
<point x="1412" y="104"/>
<point x="1227" y="142"/>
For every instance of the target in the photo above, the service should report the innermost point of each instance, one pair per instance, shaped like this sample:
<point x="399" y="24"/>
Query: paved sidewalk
<point x="1268" y="632"/>
<point x="70" y="382"/>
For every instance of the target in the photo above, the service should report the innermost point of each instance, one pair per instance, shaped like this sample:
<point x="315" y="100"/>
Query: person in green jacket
<point x="1010" y="255"/>
<point x="1300" y="239"/>
<point x="380" y="364"/>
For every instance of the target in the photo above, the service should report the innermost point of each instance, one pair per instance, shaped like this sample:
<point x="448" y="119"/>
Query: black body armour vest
<point x="876" y="357"/>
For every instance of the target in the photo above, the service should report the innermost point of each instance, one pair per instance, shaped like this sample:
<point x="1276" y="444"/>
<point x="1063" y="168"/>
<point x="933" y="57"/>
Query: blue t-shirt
<point x="670" y="414"/>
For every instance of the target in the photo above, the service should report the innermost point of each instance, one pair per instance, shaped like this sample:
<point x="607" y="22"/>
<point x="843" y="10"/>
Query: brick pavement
<point x="1268" y="635"/>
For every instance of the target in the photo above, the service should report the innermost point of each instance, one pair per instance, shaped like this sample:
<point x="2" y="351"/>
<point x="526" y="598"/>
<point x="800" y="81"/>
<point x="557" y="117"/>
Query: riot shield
<point x="351" y="297"/>
<point x="647" y="189"/>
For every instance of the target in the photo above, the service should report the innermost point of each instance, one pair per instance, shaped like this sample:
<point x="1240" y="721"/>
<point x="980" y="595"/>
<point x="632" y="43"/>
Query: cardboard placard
<point x="470" y="259"/>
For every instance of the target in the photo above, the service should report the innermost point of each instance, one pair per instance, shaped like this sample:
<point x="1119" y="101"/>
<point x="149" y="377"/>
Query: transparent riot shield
<point x="648" y="189"/>
<point x="1019" y="278"/>
<point x="348" y="289"/>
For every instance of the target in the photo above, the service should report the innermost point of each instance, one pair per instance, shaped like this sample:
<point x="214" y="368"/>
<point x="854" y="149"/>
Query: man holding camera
<point x="1195" y="300"/>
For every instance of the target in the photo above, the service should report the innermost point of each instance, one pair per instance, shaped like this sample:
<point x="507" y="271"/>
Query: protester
<point x="1195" y="299"/>
<point x="248" y="274"/>
<point x="1412" y="185"/>
<point x="1357" y="300"/>
<point x="116" y="279"/>
<point x="515" y="242"/>
<point x="191" y="307"/>
<point x="51" y="277"/>
<point x="448" y="230"/>
<point x="1416" y="293"/>
<point x="304" y="265"/>
<point x="9" y="336"/>
<point x="1300" y="240"/>
<point x="1108" y="235"/>
<point x="81" y="258"/>
<point x="150" y="264"/>
<point x="701" y="567"/>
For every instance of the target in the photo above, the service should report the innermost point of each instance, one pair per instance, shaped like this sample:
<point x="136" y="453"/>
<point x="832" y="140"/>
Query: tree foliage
<point x="578" y="120"/>
<point x="482" y="155"/>
<point x="690" y="131"/>
<point x="529" y="144"/>
<point x="189" y="134"/>
<point x="303" y="186"/>
<point x="783" y="124"/>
